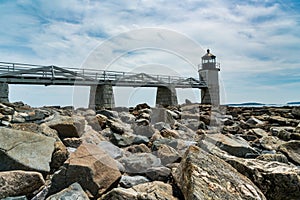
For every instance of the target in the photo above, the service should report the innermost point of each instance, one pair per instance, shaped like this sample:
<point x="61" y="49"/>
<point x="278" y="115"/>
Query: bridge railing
<point x="29" y="70"/>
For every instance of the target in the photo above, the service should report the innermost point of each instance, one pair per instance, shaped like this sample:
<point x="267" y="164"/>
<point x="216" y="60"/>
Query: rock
<point x="168" y="133"/>
<point x="130" y="181"/>
<point x="259" y="132"/>
<point x="118" y="126"/>
<point x="161" y="115"/>
<point x="110" y="149"/>
<point x="36" y="115"/>
<point x="292" y="150"/>
<point x="155" y="190"/>
<point x="109" y="114"/>
<point x="72" y="142"/>
<point x="127" y="117"/>
<point x="161" y="125"/>
<point x="150" y="191"/>
<point x="276" y="180"/>
<point x="167" y="154"/>
<point x="68" y="126"/>
<point x="120" y="194"/>
<point x="139" y="139"/>
<point x="254" y="121"/>
<point x="91" y="136"/>
<point x="15" y="183"/>
<point x="95" y="123"/>
<point x="59" y="155"/>
<point x="140" y="148"/>
<point x="273" y="157"/>
<point x="6" y="110"/>
<point x="203" y="176"/>
<point x="234" y="145"/>
<point x="283" y="121"/>
<point x="297" y="129"/>
<point x="139" y="162"/>
<point x="158" y="173"/>
<point x="91" y="167"/>
<point x="195" y="124"/>
<point x="147" y="131"/>
<point x="74" y="191"/>
<point x="25" y="150"/>
<point x="121" y="140"/>
<point x="270" y="142"/>
<point x="296" y="112"/>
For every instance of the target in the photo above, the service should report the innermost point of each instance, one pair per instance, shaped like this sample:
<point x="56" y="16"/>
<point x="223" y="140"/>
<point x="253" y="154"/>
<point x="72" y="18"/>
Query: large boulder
<point x="25" y="150"/>
<point x="91" y="167"/>
<point x="292" y="150"/>
<point x="276" y="180"/>
<point x="232" y="144"/>
<point x="68" y="126"/>
<point x="74" y="191"/>
<point x="16" y="183"/>
<point x="201" y="175"/>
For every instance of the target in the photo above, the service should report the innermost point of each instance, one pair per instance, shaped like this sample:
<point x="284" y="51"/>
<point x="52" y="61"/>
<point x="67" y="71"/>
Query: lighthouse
<point x="209" y="72"/>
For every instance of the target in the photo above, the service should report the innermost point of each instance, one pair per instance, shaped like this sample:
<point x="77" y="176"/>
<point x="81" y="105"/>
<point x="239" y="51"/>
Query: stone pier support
<point x="166" y="96"/>
<point x="101" y="96"/>
<point x="4" y="91"/>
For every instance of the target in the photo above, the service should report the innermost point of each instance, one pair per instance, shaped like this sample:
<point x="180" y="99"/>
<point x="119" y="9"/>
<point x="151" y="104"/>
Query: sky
<point x="257" y="43"/>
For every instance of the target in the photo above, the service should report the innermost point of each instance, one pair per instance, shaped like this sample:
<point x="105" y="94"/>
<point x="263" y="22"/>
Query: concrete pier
<point x="4" y="91"/>
<point x="101" y="96"/>
<point x="166" y="96"/>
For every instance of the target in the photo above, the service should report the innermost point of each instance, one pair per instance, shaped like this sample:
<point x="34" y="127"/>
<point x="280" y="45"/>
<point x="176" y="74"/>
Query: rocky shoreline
<point x="190" y="151"/>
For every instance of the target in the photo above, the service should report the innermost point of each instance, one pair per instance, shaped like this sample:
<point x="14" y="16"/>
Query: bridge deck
<point x="18" y="73"/>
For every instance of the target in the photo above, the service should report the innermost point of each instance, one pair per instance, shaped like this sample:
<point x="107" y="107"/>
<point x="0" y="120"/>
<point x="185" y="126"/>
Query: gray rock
<point x="292" y="150"/>
<point x="17" y="183"/>
<point x="91" y="136"/>
<point x="139" y="139"/>
<point x="91" y="167"/>
<point x="127" y="117"/>
<point x="158" y="173"/>
<point x="162" y="115"/>
<point x="118" y="126"/>
<point x="147" y="131"/>
<point x="74" y="191"/>
<point x="232" y="144"/>
<point x="120" y="194"/>
<point x="167" y="154"/>
<point x="36" y="115"/>
<point x="110" y="149"/>
<point x="139" y="162"/>
<point x="203" y="176"/>
<point x="276" y="180"/>
<point x="25" y="150"/>
<point x="130" y="181"/>
<point x="122" y="140"/>
<point x="161" y="125"/>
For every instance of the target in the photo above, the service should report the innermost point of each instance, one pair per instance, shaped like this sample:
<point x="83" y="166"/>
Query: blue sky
<point x="257" y="43"/>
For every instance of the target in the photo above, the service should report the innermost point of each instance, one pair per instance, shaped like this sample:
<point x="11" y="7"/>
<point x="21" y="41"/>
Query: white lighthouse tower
<point x="209" y="72"/>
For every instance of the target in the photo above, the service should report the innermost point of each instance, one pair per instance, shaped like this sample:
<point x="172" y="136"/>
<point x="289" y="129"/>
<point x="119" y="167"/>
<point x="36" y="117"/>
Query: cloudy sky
<point x="257" y="43"/>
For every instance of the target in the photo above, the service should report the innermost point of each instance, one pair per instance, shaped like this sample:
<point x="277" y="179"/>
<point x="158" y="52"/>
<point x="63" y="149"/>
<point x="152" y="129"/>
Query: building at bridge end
<point x="209" y="72"/>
